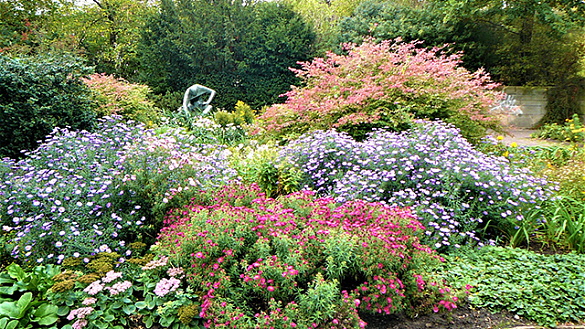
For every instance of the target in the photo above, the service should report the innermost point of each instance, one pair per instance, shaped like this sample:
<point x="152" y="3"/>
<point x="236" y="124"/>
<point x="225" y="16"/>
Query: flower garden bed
<point x="208" y="227"/>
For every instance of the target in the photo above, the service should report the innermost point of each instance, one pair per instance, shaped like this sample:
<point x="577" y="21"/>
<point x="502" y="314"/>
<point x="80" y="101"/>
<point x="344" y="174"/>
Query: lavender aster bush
<point x="81" y="193"/>
<point x="455" y="189"/>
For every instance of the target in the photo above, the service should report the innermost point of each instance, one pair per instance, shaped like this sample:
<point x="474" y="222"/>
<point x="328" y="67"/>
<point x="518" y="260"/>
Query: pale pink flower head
<point x="175" y="271"/>
<point x="164" y="286"/>
<point x="156" y="263"/>
<point x="111" y="276"/>
<point x="94" y="288"/>
<point x="79" y="324"/>
<point x="119" y="287"/>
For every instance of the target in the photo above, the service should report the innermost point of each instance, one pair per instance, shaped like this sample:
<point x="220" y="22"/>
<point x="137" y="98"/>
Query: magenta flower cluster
<point x="273" y="249"/>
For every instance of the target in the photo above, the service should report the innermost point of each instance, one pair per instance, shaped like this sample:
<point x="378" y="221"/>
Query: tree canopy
<point x="242" y="50"/>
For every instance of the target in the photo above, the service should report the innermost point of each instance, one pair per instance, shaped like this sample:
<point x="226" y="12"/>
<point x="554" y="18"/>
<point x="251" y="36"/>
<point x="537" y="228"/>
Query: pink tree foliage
<point x="373" y="82"/>
<point x="118" y="96"/>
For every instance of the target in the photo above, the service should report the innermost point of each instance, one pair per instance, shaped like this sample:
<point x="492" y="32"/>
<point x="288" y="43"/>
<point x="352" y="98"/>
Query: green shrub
<point x="169" y="101"/>
<point x="38" y="94"/>
<point x="242" y="115"/>
<point x="261" y="164"/>
<point x="118" y="96"/>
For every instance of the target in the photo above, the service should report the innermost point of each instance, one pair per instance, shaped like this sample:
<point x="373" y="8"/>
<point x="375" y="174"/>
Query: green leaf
<point x="48" y="320"/>
<point x="46" y="309"/>
<point x="149" y="321"/>
<point x="140" y="305"/>
<point x="109" y="318"/>
<point x="101" y="325"/>
<point x="6" y="278"/>
<point x="16" y="271"/>
<point x="3" y="323"/>
<point x="8" y="290"/>
<point x="23" y="303"/>
<point x="12" y="324"/>
<point x="9" y="309"/>
<point x="63" y="310"/>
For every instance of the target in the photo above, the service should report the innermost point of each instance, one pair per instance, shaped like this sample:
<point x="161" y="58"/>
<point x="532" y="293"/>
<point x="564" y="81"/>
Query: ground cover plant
<point x="300" y="261"/>
<point x="548" y="289"/>
<point x="106" y="293"/>
<point x="456" y="191"/>
<point x="82" y="193"/>
<point x="385" y="84"/>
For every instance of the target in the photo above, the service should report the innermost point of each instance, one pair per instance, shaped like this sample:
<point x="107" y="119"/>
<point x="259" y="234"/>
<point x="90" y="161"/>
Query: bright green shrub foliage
<point x="385" y="85"/>
<point x="261" y="164"/>
<point x="547" y="289"/>
<point x="118" y="96"/>
<point x="38" y="94"/>
<point x="267" y="263"/>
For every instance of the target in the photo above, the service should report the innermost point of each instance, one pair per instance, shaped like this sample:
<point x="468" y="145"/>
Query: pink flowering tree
<point x="300" y="261"/>
<point x="385" y="85"/>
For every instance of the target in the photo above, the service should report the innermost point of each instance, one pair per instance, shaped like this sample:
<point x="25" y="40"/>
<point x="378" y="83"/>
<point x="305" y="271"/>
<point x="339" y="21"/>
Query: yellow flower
<point x="500" y="138"/>
<point x="506" y="154"/>
<point x="514" y="144"/>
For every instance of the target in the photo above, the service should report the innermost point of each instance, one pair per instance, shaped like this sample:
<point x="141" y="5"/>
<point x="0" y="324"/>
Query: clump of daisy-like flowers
<point x="300" y="261"/>
<point x="460" y="194"/>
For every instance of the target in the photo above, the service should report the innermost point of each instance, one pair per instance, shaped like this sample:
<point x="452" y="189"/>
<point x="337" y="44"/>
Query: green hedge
<point x="38" y="94"/>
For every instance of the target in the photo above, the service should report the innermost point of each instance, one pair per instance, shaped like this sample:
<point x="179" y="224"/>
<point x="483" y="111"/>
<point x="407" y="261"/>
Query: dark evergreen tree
<point x="242" y="50"/>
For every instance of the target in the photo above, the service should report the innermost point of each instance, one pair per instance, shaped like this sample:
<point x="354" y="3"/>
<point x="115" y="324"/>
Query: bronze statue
<point x="197" y="99"/>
